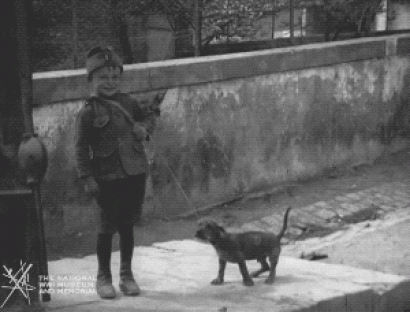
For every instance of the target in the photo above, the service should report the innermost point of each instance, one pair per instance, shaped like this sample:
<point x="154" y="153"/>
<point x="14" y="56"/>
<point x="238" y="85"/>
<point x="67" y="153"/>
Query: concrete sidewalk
<point x="176" y="275"/>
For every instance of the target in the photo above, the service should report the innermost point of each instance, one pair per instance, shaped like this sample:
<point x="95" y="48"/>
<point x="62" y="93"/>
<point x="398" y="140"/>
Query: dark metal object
<point x="24" y="18"/>
<point x="32" y="157"/>
<point x="18" y="221"/>
<point x="43" y="265"/>
<point x="20" y="207"/>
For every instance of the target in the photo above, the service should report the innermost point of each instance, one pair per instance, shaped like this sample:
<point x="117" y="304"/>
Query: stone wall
<point x="240" y="122"/>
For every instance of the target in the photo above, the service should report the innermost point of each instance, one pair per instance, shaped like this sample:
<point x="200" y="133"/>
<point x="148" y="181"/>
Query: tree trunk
<point x="273" y="23"/>
<point x="119" y="29"/>
<point x="125" y="42"/>
<point x="292" y="21"/>
<point x="74" y="8"/>
<point x="198" y="27"/>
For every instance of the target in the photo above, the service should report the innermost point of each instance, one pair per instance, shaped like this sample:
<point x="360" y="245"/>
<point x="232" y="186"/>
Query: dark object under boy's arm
<point x="82" y="149"/>
<point x="151" y="112"/>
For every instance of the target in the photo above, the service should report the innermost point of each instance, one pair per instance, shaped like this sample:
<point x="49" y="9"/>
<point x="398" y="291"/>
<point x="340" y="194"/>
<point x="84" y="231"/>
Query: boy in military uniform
<point x="111" y="161"/>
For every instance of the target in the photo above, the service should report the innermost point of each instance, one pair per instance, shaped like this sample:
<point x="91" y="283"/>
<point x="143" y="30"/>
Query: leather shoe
<point x="104" y="287"/>
<point x="129" y="287"/>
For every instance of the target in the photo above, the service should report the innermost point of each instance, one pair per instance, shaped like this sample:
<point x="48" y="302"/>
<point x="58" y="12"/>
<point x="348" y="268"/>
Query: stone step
<point x="176" y="276"/>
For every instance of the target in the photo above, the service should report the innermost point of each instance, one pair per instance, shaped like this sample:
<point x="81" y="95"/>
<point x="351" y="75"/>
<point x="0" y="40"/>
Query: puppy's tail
<point x="285" y="224"/>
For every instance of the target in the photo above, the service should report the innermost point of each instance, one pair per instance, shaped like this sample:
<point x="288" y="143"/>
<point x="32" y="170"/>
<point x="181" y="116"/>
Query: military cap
<point x="99" y="57"/>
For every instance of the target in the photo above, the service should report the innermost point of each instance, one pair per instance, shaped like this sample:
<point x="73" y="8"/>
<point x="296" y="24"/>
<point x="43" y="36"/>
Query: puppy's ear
<point x="221" y="231"/>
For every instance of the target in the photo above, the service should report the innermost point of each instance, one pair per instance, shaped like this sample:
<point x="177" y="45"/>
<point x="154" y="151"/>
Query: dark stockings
<point x="126" y="249"/>
<point x="104" y="245"/>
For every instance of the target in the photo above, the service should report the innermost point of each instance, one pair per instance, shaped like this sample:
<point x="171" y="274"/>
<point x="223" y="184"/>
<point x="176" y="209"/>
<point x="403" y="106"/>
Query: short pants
<point x="120" y="202"/>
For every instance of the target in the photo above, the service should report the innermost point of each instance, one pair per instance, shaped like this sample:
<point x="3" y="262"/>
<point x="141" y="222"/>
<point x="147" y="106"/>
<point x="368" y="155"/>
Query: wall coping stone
<point x="71" y="85"/>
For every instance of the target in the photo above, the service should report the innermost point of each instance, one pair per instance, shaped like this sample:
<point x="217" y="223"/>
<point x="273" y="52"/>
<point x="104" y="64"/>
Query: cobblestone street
<point x="331" y="215"/>
<point x="369" y="229"/>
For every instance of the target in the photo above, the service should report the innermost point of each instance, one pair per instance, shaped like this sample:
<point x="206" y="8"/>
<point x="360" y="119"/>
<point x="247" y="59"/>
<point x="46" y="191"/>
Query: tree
<point x="340" y="15"/>
<point x="236" y="19"/>
<point x="59" y="44"/>
<point x="48" y="41"/>
<point x="232" y="19"/>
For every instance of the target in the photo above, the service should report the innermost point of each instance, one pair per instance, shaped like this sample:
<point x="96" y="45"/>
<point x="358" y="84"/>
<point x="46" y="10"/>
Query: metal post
<point x="291" y="21"/>
<point x="23" y="13"/>
<point x="273" y="23"/>
<point x="23" y="9"/>
<point x="43" y="265"/>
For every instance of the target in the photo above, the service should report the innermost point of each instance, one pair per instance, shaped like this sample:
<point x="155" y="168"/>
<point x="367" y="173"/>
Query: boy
<point x="112" y="163"/>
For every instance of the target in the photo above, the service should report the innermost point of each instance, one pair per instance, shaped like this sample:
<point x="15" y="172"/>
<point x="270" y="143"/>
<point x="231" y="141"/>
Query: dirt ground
<point x="388" y="168"/>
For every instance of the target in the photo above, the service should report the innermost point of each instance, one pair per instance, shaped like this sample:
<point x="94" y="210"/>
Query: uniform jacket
<point x="106" y="146"/>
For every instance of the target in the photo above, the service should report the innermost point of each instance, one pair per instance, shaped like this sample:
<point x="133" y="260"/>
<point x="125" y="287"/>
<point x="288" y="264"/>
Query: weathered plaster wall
<point x="235" y="123"/>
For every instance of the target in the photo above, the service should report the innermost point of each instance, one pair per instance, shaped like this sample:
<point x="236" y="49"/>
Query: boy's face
<point x="106" y="81"/>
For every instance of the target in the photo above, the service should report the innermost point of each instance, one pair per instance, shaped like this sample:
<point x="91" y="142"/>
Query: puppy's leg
<point x="264" y="268"/>
<point x="247" y="280"/>
<point x="220" y="279"/>
<point x="273" y="258"/>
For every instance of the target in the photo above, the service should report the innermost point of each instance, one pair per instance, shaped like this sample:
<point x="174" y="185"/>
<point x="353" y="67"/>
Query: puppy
<point x="240" y="247"/>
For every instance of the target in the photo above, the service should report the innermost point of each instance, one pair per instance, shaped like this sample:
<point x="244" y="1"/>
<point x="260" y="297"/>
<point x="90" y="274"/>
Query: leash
<point x="189" y="202"/>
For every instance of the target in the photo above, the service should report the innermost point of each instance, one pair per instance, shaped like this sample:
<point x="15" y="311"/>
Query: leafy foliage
<point x="355" y="15"/>
<point x="107" y="21"/>
<point x="47" y="40"/>
<point x="233" y="18"/>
